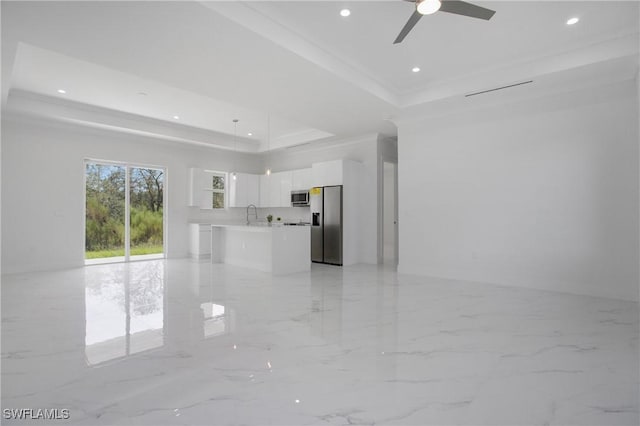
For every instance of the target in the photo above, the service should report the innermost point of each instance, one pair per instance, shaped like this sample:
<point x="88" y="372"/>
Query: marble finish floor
<point x="183" y="343"/>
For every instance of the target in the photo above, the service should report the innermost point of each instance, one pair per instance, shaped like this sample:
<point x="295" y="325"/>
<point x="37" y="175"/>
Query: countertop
<point x="258" y="228"/>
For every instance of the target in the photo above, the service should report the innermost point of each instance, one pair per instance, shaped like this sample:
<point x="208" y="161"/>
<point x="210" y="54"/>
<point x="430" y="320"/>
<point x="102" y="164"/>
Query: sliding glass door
<point x="124" y="207"/>
<point x="146" y="192"/>
<point x="105" y="210"/>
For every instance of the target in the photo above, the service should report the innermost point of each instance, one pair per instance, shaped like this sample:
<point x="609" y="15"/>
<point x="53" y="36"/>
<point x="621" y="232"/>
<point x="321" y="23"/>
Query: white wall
<point x="43" y="192"/>
<point x="542" y="194"/>
<point x="388" y="149"/>
<point x="363" y="150"/>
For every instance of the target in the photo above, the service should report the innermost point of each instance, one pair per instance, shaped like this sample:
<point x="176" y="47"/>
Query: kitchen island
<point x="275" y="249"/>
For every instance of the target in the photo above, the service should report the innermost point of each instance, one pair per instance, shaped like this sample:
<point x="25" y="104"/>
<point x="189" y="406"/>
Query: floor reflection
<point x="358" y="344"/>
<point x="326" y="290"/>
<point x="124" y="310"/>
<point x="215" y="319"/>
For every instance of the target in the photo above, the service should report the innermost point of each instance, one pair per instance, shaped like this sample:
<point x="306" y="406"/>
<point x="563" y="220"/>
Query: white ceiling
<point x="447" y="46"/>
<point x="43" y="71"/>
<point x="315" y="73"/>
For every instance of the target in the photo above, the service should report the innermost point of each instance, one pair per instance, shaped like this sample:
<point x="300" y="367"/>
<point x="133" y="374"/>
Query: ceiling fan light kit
<point x="456" y="7"/>
<point x="427" y="7"/>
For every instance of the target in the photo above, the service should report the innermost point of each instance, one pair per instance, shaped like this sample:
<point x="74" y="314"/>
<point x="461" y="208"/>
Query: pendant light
<point x="235" y="145"/>
<point x="268" y="172"/>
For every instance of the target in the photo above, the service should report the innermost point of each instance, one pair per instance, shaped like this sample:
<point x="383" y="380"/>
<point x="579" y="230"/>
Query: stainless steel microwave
<point x="299" y="198"/>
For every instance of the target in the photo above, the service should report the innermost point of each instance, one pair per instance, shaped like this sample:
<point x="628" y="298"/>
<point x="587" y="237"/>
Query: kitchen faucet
<point x="255" y="210"/>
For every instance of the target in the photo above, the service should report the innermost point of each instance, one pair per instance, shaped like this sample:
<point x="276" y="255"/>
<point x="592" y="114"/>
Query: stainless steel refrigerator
<point x="326" y="224"/>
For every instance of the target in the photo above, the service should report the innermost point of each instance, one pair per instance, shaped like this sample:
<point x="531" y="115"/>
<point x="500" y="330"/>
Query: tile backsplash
<point x="288" y="214"/>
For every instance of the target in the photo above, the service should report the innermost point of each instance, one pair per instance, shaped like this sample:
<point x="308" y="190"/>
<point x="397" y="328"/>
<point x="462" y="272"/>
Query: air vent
<point x="298" y="145"/>
<point x="498" y="88"/>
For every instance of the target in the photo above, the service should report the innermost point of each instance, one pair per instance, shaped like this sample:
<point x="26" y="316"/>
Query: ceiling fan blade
<point x="466" y="9"/>
<point x="413" y="20"/>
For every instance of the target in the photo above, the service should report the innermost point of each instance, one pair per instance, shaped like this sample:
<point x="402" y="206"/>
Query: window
<point x="218" y="189"/>
<point x="207" y="189"/>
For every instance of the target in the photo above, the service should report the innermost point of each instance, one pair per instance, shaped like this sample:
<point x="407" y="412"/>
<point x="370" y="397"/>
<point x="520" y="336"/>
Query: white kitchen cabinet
<point x="327" y="173"/>
<point x="237" y="191"/>
<point x="196" y="177"/>
<point x="301" y="179"/>
<point x="274" y="190"/>
<point x="244" y="190"/>
<point x="285" y="180"/>
<point x="199" y="194"/>
<point x="200" y="240"/>
<point x="277" y="249"/>
<point x="253" y="189"/>
<point x="264" y="191"/>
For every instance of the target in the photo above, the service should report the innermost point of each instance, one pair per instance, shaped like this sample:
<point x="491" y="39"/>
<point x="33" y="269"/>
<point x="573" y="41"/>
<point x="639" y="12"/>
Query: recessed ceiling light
<point x="249" y="134"/>
<point x="345" y="12"/>
<point x="62" y="91"/>
<point x="572" y="21"/>
<point x="175" y="117"/>
<point x="415" y="69"/>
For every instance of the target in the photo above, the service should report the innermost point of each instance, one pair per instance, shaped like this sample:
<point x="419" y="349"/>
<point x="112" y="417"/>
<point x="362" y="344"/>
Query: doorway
<point x="124" y="212"/>
<point x="390" y="213"/>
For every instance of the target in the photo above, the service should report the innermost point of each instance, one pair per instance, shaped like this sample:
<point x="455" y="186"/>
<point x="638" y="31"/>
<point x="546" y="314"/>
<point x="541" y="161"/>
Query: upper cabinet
<point x="195" y="185"/>
<point x="199" y="194"/>
<point x="262" y="190"/>
<point x="275" y="189"/>
<point x="301" y="179"/>
<point x="273" y="182"/>
<point x="207" y="189"/>
<point x="244" y="190"/>
<point x="253" y="190"/>
<point x="327" y="173"/>
<point x="285" y="181"/>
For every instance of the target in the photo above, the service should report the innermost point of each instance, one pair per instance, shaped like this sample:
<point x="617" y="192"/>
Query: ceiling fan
<point x="427" y="7"/>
